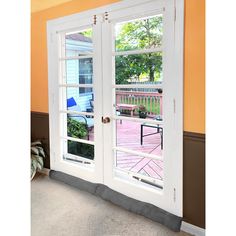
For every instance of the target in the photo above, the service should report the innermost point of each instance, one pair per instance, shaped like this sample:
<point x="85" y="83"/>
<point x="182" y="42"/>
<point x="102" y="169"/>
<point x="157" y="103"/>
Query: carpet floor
<point x="58" y="209"/>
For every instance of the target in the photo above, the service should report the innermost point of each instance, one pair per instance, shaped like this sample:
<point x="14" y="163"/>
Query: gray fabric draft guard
<point x="148" y="210"/>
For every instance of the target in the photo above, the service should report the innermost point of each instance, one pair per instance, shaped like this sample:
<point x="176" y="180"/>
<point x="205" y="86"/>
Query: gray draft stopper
<point x="148" y="210"/>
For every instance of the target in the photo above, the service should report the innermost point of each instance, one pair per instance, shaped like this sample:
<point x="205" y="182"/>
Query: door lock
<point x="106" y="120"/>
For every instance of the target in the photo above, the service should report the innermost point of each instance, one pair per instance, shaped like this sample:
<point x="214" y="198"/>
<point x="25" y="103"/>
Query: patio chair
<point x="91" y="102"/>
<point x="73" y="106"/>
<point x="157" y="127"/>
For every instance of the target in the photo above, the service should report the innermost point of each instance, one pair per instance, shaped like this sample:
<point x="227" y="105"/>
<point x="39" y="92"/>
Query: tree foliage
<point x="139" y="34"/>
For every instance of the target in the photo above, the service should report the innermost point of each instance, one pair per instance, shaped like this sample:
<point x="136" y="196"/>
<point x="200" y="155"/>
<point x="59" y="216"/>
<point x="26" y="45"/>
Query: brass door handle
<point x="106" y="120"/>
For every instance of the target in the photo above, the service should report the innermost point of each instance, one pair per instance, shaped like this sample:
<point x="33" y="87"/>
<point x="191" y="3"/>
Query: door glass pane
<point x="142" y="137"/>
<point x="78" y="71"/>
<point x="79" y="99"/>
<point x="139" y="69"/>
<point x="144" y="103"/>
<point x="139" y="165"/>
<point x="79" y="149"/>
<point x="144" y="33"/>
<point x="80" y="127"/>
<point x="77" y="127"/>
<point x="139" y="94"/>
<point x="79" y="43"/>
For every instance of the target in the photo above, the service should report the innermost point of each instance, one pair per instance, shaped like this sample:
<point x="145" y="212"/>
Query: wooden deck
<point x="128" y="136"/>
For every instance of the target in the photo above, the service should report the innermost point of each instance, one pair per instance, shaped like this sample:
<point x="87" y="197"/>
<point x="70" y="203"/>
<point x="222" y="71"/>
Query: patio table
<point x="130" y="107"/>
<point x="158" y="130"/>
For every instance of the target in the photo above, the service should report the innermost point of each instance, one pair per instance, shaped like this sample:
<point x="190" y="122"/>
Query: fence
<point x="152" y="101"/>
<point x="143" y="89"/>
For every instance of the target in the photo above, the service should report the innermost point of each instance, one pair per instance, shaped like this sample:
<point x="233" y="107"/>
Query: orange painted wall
<point x="194" y="66"/>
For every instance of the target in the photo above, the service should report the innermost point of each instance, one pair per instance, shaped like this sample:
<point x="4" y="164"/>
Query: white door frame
<point x="175" y="187"/>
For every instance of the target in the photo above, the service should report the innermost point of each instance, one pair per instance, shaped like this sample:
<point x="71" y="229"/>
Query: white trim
<point x="77" y="112"/>
<point x="76" y="85"/>
<point x="83" y="160"/>
<point x="140" y="154"/>
<point x="44" y="171"/>
<point x="140" y="51"/>
<point x="78" y="140"/>
<point x="138" y="11"/>
<point x="192" y="229"/>
<point x="140" y="176"/>
<point x="76" y="57"/>
<point x="131" y="17"/>
<point x="131" y="86"/>
<point x="155" y="122"/>
<point x="100" y="10"/>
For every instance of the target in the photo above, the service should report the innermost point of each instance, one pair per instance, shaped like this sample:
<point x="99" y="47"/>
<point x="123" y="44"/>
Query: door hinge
<point x="175" y="14"/>
<point x="94" y="19"/>
<point x="174" y="105"/>
<point x="105" y="16"/>
<point x="174" y="195"/>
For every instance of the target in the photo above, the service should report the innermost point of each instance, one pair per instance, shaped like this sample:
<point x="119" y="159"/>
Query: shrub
<point x="81" y="149"/>
<point x="78" y="129"/>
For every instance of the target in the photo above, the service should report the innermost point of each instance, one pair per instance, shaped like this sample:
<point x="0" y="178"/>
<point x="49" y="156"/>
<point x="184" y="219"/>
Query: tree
<point x="139" y="34"/>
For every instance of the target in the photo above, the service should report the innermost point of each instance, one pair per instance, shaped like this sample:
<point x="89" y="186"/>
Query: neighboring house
<point x="79" y="71"/>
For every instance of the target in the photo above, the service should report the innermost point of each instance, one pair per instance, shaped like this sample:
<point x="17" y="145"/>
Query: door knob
<point x="106" y="120"/>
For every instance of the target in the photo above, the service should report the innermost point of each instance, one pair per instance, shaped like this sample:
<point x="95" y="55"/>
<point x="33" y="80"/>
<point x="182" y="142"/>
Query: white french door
<point x="115" y="99"/>
<point x="75" y="68"/>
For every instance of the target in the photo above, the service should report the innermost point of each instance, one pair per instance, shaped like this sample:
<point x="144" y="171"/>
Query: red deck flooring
<point x="128" y="136"/>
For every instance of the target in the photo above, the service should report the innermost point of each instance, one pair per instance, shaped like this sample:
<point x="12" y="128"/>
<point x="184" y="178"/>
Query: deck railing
<point x="151" y="100"/>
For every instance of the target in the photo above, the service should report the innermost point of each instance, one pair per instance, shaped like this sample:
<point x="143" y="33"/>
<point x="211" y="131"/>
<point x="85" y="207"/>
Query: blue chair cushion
<point x="71" y="102"/>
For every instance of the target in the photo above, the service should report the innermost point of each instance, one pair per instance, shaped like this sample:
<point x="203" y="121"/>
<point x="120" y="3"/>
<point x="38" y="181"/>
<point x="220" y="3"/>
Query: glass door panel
<point x="143" y="33"/>
<point x="77" y="95"/>
<point x="147" y="170"/>
<point x="79" y="71"/>
<point x="139" y="136"/>
<point x="79" y="43"/>
<point x="138" y="107"/>
<point x="139" y="69"/>
<point x="145" y="103"/>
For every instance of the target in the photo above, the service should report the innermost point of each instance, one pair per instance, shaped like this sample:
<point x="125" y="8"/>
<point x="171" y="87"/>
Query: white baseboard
<point x="44" y="171"/>
<point x="192" y="229"/>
